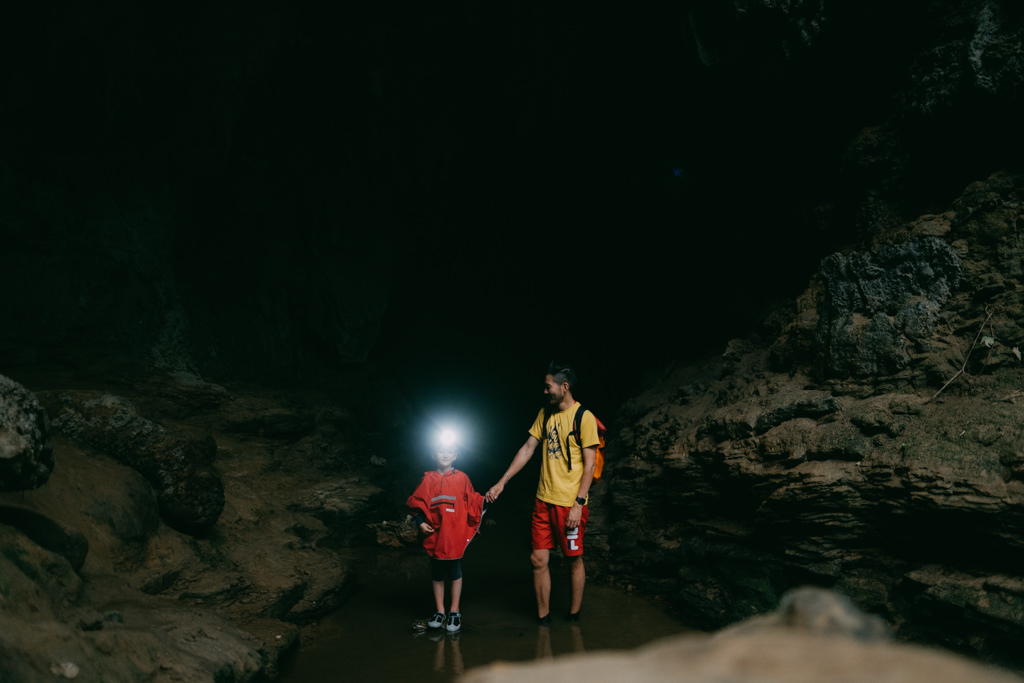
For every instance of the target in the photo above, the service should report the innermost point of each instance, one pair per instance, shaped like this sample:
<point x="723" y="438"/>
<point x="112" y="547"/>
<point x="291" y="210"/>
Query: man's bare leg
<point x="542" y="581"/>
<point x="578" y="575"/>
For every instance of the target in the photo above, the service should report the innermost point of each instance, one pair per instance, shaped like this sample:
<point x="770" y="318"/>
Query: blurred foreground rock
<point x="815" y="636"/>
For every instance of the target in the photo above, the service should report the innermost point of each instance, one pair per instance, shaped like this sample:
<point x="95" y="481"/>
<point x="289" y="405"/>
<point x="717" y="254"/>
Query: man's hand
<point x="426" y="528"/>
<point x="495" y="491"/>
<point x="572" y="521"/>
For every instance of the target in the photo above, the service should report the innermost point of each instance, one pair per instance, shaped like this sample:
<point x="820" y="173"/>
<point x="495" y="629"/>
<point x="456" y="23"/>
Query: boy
<point x="448" y="512"/>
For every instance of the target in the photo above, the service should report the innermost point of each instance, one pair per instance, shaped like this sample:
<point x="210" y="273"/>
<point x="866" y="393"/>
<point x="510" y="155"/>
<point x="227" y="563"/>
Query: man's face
<point x="554" y="392"/>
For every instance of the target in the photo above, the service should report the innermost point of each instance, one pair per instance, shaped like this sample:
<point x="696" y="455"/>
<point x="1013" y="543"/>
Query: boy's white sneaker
<point x="436" y="621"/>
<point x="454" y="622"/>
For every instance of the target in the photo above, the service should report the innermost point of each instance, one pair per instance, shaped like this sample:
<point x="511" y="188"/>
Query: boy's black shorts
<point x="445" y="570"/>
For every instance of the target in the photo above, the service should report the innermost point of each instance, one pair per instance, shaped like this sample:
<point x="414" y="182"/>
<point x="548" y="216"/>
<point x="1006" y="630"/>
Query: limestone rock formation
<point x="179" y="467"/>
<point x="878" y="301"/>
<point x="896" y="483"/>
<point x="26" y="452"/>
<point x="63" y="540"/>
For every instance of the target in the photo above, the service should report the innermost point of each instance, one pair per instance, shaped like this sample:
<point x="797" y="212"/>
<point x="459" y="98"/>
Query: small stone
<point x="64" y="669"/>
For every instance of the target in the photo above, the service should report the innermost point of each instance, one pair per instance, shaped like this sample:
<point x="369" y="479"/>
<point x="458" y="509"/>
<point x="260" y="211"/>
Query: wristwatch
<point x="581" y="501"/>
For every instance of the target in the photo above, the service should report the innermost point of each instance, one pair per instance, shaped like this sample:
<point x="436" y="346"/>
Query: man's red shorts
<point x="549" y="527"/>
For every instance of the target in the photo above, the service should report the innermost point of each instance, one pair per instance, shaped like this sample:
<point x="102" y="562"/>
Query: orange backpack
<point x="577" y="418"/>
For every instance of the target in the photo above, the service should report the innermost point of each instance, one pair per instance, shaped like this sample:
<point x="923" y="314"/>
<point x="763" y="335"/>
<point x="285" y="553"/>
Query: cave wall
<point x="865" y="436"/>
<point x="898" y="484"/>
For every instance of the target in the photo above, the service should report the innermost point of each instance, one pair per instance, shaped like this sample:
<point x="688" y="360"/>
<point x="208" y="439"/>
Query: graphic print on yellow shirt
<point x="560" y="485"/>
<point x="554" y="444"/>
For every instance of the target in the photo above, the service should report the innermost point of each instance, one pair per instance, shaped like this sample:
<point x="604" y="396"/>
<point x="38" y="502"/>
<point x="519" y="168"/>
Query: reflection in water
<point x="544" y="643"/>
<point x="373" y="636"/>
<point x="448" y="659"/>
<point x="446" y="643"/>
<point x="544" y="650"/>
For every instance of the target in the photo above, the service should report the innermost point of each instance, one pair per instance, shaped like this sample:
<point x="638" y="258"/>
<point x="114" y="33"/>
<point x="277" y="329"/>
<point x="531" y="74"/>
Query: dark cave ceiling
<point x="517" y="182"/>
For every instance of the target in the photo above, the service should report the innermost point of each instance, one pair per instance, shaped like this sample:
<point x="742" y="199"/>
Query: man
<point x="567" y="470"/>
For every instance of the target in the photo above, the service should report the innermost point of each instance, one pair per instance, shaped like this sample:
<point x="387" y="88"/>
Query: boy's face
<point x="444" y="458"/>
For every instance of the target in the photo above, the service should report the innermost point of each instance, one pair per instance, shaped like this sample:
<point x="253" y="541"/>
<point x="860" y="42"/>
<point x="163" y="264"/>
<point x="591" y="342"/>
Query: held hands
<point x="495" y="491"/>
<point x="426" y="528"/>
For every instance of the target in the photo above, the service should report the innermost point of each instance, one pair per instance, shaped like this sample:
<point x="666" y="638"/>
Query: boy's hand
<point x="495" y="491"/>
<point x="426" y="528"/>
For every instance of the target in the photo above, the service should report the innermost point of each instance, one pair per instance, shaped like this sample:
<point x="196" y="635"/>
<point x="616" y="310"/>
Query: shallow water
<point x="371" y="636"/>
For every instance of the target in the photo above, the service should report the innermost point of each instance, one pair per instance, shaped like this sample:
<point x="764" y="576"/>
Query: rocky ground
<point x="99" y="582"/>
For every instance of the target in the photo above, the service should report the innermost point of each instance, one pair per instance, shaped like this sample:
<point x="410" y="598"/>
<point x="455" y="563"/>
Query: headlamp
<point x="447" y="438"/>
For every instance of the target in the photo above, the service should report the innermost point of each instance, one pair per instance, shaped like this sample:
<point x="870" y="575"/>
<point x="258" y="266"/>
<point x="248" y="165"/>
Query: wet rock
<point x="814" y="405"/>
<point x="878" y="300"/>
<point x="392" y="534"/>
<point x="877" y="420"/>
<point x="182" y="394"/>
<point x="274" y="424"/>
<point x="978" y="53"/>
<point x="725" y="428"/>
<point x="90" y="621"/>
<point x="26" y="451"/>
<point x="178" y="466"/>
<point x="37" y="583"/>
<point x="57" y="538"/>
<point x="1012" y="460"/>
<point x="345" y="508"/>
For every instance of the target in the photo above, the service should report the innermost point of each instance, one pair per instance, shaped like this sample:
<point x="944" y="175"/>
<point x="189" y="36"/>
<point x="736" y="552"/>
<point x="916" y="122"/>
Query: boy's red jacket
<point x="450" y="505"/>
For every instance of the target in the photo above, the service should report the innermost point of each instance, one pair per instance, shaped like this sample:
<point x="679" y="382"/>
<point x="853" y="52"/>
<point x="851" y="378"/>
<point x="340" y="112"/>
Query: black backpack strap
<point x="577" y="419"/>
<point x="576" y="431"/>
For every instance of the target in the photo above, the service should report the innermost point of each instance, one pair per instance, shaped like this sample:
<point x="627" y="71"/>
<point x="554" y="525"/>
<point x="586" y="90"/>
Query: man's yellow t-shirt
<point x="560" y="485"/>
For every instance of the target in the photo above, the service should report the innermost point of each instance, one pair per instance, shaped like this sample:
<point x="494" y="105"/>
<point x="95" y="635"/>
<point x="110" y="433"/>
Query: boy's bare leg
<point x="439" y="656"/>
<point x="578" y="574"/>
<point x="542" y="581"/>
<point x="458" y="666"/>
<point x="438" y="587"/>
<point x="456" y="593"/>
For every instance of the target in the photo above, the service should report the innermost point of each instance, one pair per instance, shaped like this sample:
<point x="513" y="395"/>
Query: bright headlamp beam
<point x="448" y="438"/>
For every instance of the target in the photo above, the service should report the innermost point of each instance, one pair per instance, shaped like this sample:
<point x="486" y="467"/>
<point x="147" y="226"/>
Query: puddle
<point x="371" y="636"/>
